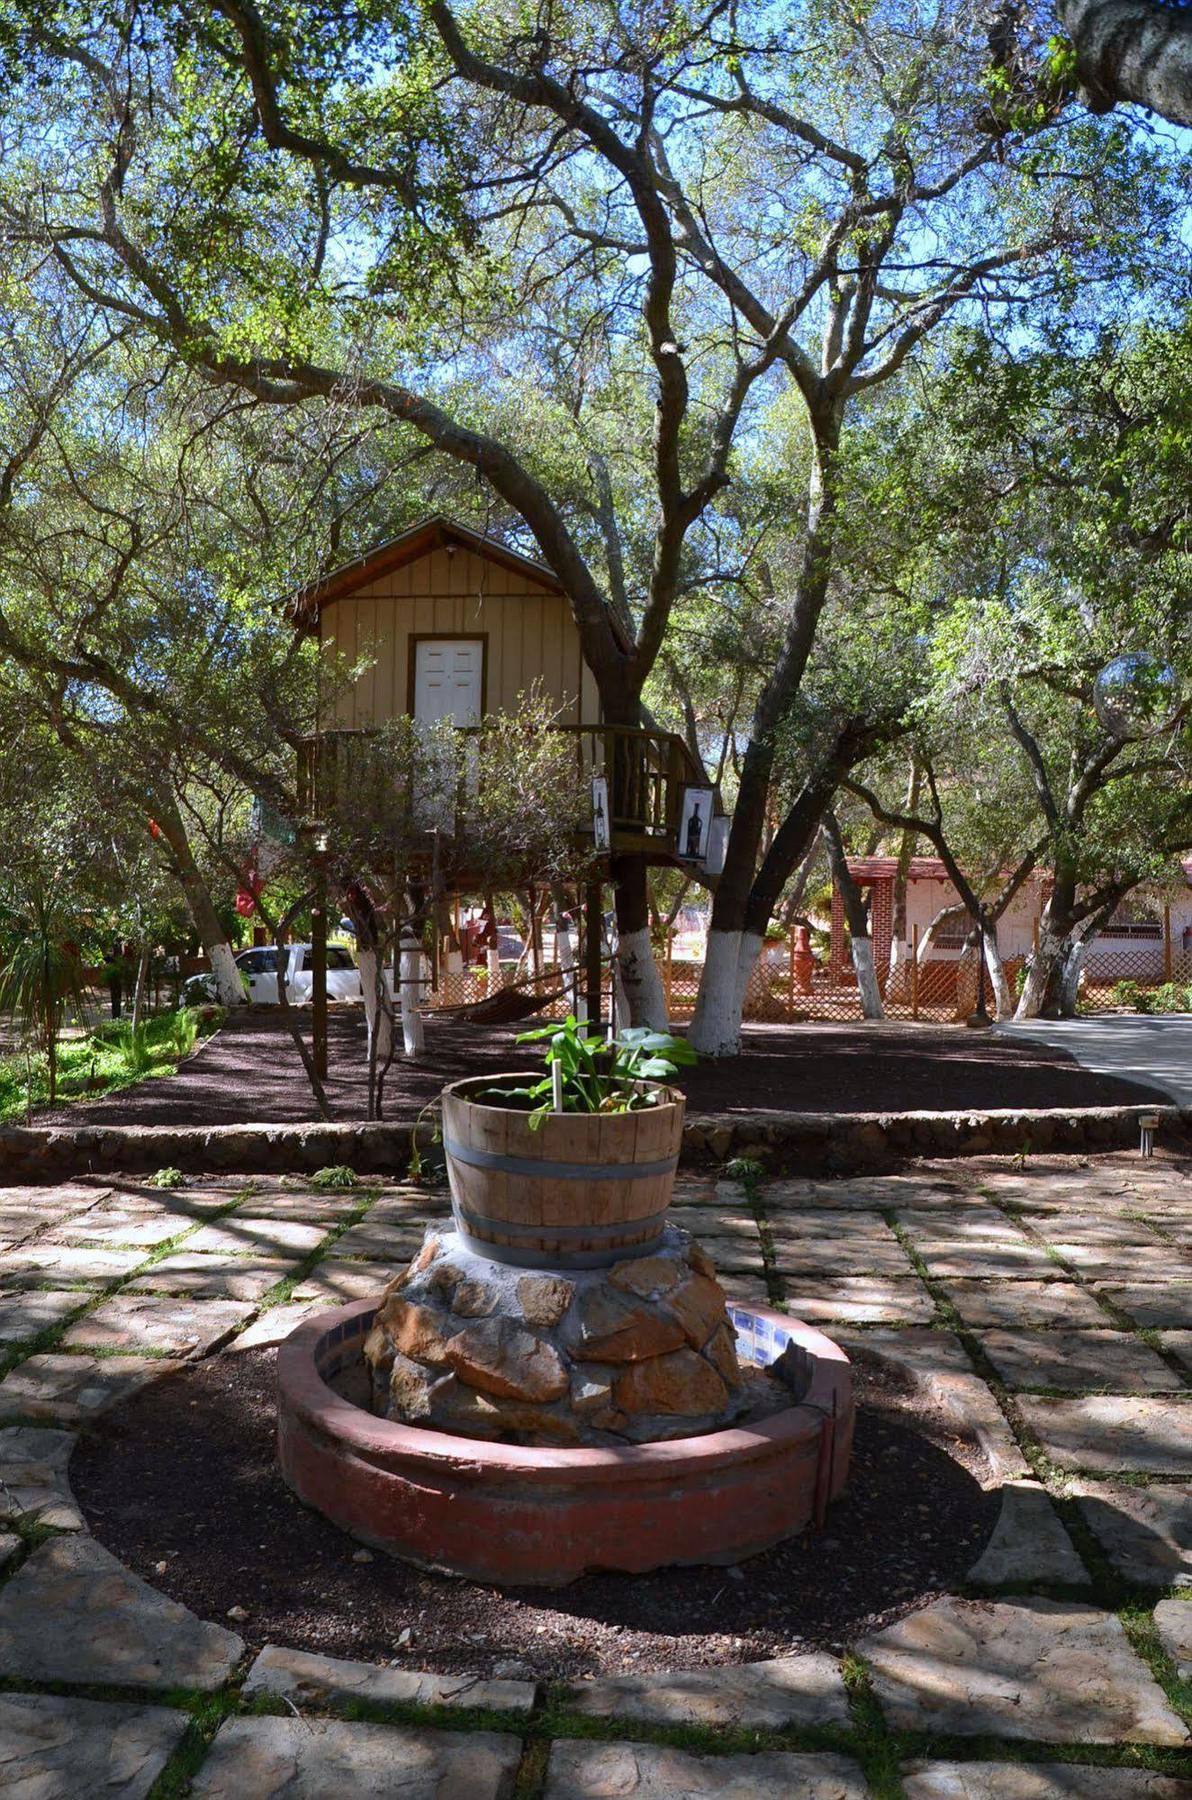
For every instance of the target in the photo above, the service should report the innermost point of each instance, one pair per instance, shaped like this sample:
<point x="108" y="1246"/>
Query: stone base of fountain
<point x="639" y="1352"/>
<point x="516" y="1513"/>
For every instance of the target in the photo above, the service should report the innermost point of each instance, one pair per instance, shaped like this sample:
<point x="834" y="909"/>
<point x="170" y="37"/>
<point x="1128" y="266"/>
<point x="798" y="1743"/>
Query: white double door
<point x="448" y="685"/>
<point x="448" y="680"/>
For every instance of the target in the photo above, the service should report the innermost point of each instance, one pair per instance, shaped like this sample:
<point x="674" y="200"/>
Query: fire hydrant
<point x="802" y="960"/>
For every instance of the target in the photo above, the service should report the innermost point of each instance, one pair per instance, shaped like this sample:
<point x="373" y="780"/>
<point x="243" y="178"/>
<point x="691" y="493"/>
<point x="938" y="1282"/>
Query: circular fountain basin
<point x="519" y="1515"/>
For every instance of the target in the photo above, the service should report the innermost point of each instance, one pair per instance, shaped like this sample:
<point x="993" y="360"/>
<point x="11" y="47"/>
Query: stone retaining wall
<point x="806" y="1143"/>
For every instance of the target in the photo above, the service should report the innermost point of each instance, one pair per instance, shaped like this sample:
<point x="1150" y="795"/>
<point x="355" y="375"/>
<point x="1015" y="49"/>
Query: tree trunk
<point x="1003" y="1004"/>
<point x="1041" y="996"/>
<point x="732" y="951"/>
<point x="1070" y="978"/>
<point x="1132" y="50"/>
<point x="898" y="987"/>
<point x="413" y="1035"/>
<point x="138" y="998"/>
<point x="644" y="994"/>
<point x="378" y="1003"/>
<point x="228" y="986"/>
<point x="860" y="943"/>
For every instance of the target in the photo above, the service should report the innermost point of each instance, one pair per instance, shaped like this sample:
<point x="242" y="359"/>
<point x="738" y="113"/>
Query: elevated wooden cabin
<point x="453" y="625"/>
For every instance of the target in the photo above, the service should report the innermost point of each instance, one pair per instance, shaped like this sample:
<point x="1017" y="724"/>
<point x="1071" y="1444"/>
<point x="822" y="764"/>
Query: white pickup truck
<point x="258" y="968"/>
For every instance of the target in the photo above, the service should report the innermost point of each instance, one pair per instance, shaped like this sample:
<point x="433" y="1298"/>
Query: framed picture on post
<point x="695" y="821"/>
<point x="601" y="837"/>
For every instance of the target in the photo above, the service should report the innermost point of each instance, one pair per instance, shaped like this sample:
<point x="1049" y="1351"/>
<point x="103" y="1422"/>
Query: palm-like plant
<point x="41" y="980"/>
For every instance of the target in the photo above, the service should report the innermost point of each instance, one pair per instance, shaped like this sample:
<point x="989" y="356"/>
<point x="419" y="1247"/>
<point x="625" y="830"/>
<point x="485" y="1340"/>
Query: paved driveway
<point x="1134" y="1048"/>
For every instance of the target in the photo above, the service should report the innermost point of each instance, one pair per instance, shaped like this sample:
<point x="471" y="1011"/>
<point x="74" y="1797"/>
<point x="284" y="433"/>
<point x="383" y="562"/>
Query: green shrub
<point x="165" y="1178"/>
<point x="1172" y="997"/>
<point x="1129" y="994"/>
<point x="183" y="1031"/>
<point x="336" y="1176"/>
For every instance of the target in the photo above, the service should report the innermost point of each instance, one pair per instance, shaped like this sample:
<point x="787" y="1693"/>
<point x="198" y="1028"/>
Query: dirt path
<point x="251" y="1071"/>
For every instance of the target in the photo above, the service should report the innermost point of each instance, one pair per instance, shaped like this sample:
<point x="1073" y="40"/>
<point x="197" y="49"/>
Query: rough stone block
<point x="143" y="1322"/>
<point x="237" y="1236"/>
<point x="214" y="1277"/>
<point x="764" y="1696"/>
<point x="73" y="1613"/>
<point x="1029" y="1544"/>
<point x="68" y="1389"/>
<point x="40" y="1264"/>
<point x="580" y="1771"/>
<point x="1146" y="1532"/>
<point x="314" y="1759"/>
<point x="1106" y="1433"/>
<point x="1034" y="1304"/>
<point x="858" y="1300"/>
<point x="53" y="1748"/>
<point x="26" y="1315"/>
<point x="1081" y="1361"/>
<point x="310" y="1680"/>
<point x="1173" y="1622"/>
<point x="1055" y="1671"/>
<point x="1035" y="1781"/>
<point x="34" y="1484"/>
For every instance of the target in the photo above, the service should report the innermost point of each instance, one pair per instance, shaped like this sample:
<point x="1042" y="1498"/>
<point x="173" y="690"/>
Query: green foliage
<point x="97" y="1062"/>
<point x="334" y="1178"/>
<point x="168" y="1177"/>
<point x="596" y="1076"/>
<point x="1130" y="995"/>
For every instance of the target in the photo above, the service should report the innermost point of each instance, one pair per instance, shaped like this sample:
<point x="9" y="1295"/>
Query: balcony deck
<point x="646" y="772"/>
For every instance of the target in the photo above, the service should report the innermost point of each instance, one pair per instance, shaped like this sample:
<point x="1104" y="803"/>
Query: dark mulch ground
<point x="181" y="1483"/>
<point x="251" y="1071"/>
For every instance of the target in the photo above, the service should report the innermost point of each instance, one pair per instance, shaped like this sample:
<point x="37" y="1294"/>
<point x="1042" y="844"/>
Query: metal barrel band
<point x="620" y="1228"/>
<point x="557" y="1171"/>
<point x="515" y="1256"/>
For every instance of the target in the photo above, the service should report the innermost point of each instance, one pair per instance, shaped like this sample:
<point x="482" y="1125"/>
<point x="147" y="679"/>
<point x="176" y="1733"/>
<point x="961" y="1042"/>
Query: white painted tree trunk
<point x="494" y="967"/>
<point x="1003" y="1004"/>
<point x="898" y="982"/>
<point x="229" y="989"/>
<point x="641" y="983"/>
<point x="730" y="958"/>
<point x="377" y="1014"/>
<point x="871" y="999"/>
<point x="1070" y="980"/>
<point x="413" y="1035"/>
<point x="1047" y="959"/>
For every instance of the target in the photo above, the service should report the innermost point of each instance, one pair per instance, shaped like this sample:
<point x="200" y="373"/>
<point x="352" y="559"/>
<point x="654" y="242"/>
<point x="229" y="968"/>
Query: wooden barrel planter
<point x="581" y="1191"/>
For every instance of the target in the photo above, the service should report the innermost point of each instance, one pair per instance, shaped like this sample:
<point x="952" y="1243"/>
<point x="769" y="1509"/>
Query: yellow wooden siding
<point x="530" y="633"/>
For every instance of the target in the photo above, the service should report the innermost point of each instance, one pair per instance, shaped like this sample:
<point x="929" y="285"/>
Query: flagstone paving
<point x="51" y="1746"/>
<point x="1024" y="1298"/>
<point x="1146" y="1532"/>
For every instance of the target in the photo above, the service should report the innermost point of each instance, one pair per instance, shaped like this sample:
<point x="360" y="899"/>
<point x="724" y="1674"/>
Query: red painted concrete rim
<point x="308" y="1401"/>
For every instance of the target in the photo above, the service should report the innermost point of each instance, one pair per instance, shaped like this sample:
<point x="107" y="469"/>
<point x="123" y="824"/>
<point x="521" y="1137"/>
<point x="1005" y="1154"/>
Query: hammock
<point x="519" y="1000"/>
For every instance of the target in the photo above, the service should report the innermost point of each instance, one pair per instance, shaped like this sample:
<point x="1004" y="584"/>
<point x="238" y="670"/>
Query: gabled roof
<point x="434" y="533"/>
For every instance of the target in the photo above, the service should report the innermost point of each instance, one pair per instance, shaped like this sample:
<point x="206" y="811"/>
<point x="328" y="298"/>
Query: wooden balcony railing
<point x="645" y="770"/>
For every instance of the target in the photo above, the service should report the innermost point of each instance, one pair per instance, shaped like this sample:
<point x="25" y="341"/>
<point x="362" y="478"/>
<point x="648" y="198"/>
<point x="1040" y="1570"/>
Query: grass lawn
<point x="102" y="1061"/>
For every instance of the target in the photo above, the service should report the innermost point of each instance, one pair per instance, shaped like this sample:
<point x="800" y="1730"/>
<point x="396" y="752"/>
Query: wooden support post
<point x="593" y="933"/>
<point x="318" y="970"/>
<point x="915" y="971"/>
<point x="1166" y="943"/>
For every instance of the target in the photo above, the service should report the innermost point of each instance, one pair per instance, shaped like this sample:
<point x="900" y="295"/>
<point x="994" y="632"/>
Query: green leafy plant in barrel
<point x="595" y="1074"/>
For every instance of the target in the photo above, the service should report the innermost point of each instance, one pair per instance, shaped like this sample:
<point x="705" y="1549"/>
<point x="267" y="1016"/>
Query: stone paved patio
<point x="1044" y="1304"/>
